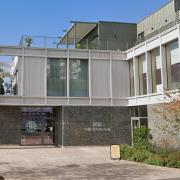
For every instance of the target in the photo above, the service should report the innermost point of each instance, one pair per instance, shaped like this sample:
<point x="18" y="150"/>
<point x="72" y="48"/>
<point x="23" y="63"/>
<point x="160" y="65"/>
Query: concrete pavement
<point x="75" y="163"/>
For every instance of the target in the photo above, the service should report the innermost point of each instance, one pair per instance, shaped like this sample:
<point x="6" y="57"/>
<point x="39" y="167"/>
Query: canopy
<point x="77" y="32"/>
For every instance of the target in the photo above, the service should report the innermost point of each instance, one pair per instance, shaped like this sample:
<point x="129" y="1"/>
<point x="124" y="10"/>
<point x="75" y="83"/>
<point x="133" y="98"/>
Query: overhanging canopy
<point x="77" y="32"/>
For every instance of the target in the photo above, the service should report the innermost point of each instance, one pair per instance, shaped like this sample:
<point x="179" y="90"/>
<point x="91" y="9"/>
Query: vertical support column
<point x="163" y="69"/>
<point x="62" y="130"/>
<point x="89" y="76"/>
<point x="68" y="75"/>
<point x="111" y="90"/>
<point x="22" y="77"/>
<point x="75" y="37"/>
<point x="136" y="76"/>
<point x="148" y="74"/>
<point x="45" y="75"/>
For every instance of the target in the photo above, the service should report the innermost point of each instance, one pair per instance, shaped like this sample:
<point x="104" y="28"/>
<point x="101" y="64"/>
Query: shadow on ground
<point x="75" y="171"/>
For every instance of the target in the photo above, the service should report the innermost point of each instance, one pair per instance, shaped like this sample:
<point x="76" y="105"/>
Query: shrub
<point x="126" y="151"/>
<point x="139" y="155"/>
<point x="173" y="160"/>
<point x="155" y="160"/>
<point x="140" y="138"/>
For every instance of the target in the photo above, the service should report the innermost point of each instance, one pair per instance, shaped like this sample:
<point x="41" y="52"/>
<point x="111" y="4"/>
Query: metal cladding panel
<point x="12" y="100"/>
<point x="79" y="54"/>
<point x="158" y="19"/>
<point x="120" y="79"/>
<point x="34" y="101"/>
<point x="57" y="53"/>
<point x="100" y="78"/>
<point x="100" y="55"/>
<point x="14" y="51"/>
<point x="34" y="73"/>
<point x="34" y="52"/>
<point x="57" y="101"/>
<point x="80" y="101"/>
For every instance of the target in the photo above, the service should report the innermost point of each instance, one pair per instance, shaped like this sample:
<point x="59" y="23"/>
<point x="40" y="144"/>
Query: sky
<point x="51" y="17"/>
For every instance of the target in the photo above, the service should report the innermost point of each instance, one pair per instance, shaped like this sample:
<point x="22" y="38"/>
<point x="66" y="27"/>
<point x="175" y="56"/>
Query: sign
<point x="31" y="126"/>
<point x="115" y="151"/>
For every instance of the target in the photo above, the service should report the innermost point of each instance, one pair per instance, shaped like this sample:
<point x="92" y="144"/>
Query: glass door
<point x="37" y="126"/>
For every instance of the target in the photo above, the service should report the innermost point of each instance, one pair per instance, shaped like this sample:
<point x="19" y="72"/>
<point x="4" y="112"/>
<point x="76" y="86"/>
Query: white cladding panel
<point x="100" y="78"/>
<point x="34" y="76"/>
<point x="120" y="79"/>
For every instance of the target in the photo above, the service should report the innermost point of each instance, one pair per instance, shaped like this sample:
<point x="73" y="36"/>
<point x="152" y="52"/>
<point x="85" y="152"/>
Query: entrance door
<point x="37" y="126"/>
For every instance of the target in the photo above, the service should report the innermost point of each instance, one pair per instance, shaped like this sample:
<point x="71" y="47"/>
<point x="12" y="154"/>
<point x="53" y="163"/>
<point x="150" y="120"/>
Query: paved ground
<point x="75" y="163"/>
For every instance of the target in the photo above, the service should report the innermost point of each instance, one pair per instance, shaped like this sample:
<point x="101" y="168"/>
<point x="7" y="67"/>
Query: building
<point x="94" y="91"/>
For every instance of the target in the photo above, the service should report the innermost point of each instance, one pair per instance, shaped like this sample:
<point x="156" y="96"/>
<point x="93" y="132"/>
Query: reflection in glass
<point x="142" y="75"/>
<point x="78" y="69"/>
<point x="132" y="93"/>
<point x="173" y="65"/>
<point x="56" y="77"/>
<point x="155" y="69"/>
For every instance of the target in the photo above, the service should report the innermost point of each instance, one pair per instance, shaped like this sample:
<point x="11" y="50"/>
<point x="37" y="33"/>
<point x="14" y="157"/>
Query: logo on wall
<point x="31" y="126"/>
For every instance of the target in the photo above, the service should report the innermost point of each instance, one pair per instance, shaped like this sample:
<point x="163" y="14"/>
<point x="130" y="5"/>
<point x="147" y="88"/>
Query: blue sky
<point x="50" y="17"/>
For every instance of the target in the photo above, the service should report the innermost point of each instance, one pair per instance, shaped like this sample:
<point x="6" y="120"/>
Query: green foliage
<point x="140" y="138"/>
<point x="126" y="151"/>
<point x="144" y="152"/>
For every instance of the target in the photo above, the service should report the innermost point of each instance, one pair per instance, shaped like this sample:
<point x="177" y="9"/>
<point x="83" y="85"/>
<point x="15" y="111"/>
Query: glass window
<point x="131" y="69"/>
<point x="142" y="75"/>
<point x="173" y="65"/>
<point x="56" y="77"/>
<point x="155" y="69"/>
<point x="78" y="69"/>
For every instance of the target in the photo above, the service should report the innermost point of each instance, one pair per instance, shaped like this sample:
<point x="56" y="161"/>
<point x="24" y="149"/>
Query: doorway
<point x="37" y="126"/>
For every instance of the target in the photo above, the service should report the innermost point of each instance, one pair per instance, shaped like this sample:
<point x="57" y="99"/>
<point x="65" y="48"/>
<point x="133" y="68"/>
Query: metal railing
<point x="54" y="42"/>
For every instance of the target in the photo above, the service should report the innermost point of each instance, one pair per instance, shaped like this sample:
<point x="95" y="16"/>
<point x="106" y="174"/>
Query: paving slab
<point x="91" y="163"/>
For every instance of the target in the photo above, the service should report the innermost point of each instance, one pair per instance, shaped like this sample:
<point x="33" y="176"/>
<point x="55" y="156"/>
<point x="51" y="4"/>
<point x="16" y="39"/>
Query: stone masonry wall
<point x="10" y="125"/>
<point x="162" y="130"/>
<point x="95" y="126"/>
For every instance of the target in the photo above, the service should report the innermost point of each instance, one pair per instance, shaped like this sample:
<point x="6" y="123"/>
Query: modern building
<point x="100" y="81"/>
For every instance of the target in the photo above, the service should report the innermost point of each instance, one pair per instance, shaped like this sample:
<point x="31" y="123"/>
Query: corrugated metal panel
<point x="100" y="80"/>
<point x="34" y="73"/>
<point x="120" y="78"/>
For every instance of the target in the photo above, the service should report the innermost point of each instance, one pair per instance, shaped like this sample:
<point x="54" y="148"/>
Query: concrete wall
<point x="162" y="129"/>
<point x="10" y="123"/>
<point x="94" y="126"/>
<point x="114" y="36"/>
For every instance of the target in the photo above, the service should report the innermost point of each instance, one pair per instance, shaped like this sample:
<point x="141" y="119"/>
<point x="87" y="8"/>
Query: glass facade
<point x="37" y="126"/>
<point x="142" y="68"/>
<point x="155" y="69"/>
<point x="78" y="82"/>
<point x="56" y="77"/>
<point x="173" y="65"/>
<point x="131" y="70"/>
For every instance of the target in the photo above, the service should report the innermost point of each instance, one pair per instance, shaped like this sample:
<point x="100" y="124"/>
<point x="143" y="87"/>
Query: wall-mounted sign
<point x="31" y="126"/>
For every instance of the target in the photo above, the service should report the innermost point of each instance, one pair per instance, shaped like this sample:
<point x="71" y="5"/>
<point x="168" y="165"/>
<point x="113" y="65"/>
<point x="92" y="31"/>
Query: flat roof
<point x="80" y="29"/>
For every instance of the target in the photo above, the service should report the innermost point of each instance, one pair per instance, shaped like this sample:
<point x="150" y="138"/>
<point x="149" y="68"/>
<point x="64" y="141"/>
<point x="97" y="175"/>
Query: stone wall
<point x="162" y="128"/>
<point x="94" y="126"/>
<point x="10" y="126"/>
